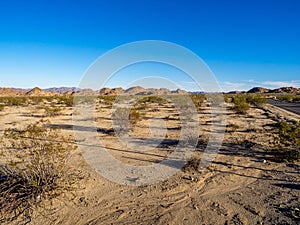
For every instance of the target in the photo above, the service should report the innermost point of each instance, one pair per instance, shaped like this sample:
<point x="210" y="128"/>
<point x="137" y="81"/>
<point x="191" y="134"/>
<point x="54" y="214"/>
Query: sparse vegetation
<point x="36" y="169"/>
<point x="241" y="106"/>
<point x="66" y="100"/>
<point x="233" y="126"/>
<point x="289" y="141"/>
<point x="289" y="97"/>
<point x="107" y="99"/>
<point x="257" y="100"/>
<point x="134" y="116"/>
<point x="14" y="101"/>
<point x="153" y="99"/>
<point x="192" y="164"/>
<point x="52" y="111"/>
<point x="198" y="100"/>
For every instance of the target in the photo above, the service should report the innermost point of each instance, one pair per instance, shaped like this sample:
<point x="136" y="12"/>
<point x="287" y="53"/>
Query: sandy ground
<point x="236" y="188"/>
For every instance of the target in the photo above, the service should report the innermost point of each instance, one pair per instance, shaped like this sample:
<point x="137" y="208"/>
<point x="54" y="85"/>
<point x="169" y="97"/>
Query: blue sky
<point x="245" y="43"/>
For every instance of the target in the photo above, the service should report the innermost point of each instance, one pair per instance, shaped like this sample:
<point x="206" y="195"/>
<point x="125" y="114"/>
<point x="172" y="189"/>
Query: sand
<point x="243" y="185"/>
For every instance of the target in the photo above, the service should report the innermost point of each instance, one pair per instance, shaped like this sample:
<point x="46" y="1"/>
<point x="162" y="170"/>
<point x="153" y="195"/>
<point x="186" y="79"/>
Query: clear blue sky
<point x="245" y="42"/>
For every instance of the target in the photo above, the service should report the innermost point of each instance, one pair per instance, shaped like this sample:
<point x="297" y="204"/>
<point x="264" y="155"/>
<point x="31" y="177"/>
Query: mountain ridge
<point x="137" y="90"/>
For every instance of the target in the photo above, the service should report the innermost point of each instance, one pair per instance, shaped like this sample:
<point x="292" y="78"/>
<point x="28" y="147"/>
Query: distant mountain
<point x="39" y="92"/>
<point x="138" y="90"/>
<point x="11" y="92"/>
<point x="258" y="90"/>
<point x="62" y="90"/>
<point x="108" y="91"/>
<point x="291" y="90"/>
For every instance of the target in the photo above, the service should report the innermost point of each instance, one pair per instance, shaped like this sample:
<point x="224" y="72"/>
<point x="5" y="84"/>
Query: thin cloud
<point x="278" y="84"/>
<point x="234" y="86"/>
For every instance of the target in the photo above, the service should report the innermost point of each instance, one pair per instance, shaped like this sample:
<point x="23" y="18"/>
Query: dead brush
<point x="36" y="169"/>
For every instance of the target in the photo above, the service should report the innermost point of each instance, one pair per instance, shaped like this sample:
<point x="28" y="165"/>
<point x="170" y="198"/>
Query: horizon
<point x="52" y="44"/>
<point x="129" y="87"/>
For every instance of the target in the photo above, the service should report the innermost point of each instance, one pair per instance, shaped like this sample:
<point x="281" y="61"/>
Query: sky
<point x="245" y="43"/>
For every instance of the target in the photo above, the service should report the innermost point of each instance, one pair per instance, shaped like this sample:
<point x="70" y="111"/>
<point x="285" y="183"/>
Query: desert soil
<point x="243" y="185"/>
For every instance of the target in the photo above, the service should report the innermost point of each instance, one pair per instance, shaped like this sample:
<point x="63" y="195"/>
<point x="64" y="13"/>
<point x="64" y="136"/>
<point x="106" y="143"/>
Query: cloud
<point x="234" y="86"/>
<point x="243" y="85"/>
<point x="248" y="84"/>
<point x="278" y="84"/>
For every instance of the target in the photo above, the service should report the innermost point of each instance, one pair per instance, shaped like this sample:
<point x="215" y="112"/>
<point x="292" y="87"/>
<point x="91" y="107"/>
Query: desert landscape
<point x="45" y="179"/>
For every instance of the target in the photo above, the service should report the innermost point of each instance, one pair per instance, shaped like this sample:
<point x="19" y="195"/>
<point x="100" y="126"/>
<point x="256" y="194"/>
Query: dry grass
<point x="36" y="169"/>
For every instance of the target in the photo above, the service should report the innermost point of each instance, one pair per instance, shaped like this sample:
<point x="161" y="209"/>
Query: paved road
<point x="290" y="106"/>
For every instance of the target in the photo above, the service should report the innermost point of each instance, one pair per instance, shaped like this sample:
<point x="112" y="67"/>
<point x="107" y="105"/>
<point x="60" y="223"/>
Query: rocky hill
<point x="258" y="90"/>
<point x="39" y="92"/>
<point x="11" y="92"/>
<point x="108" y="91"/>
<point x="290" y="90"/>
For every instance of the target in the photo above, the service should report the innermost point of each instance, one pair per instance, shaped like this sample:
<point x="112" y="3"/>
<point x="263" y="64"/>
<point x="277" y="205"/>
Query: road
<point x="289" y="106"/>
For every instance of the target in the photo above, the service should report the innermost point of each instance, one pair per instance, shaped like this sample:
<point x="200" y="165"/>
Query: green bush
<point x="153" y="99"/>
<point x="66" y="100"/>
<point x="286" y="97"/>
<point x="256" y="99"/>
<point x="241" y="106"/>
<point x="107" y="99"/>
<point x="36" y="168"/>
<point x="14" y="101"/>
<point x="289" y="97"/>
<point x="289" y="141"/>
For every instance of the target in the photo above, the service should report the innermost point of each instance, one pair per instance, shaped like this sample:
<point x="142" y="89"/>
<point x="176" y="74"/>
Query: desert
<point x="254" y="178"/>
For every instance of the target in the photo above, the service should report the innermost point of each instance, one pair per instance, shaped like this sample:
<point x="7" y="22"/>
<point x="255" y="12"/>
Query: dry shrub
<point x="35" y="170"/>
<point x="14" y="101"/>
<point x="192" y="164"/>
<point x="288" y="148"/>
<point x="52" y="111"/>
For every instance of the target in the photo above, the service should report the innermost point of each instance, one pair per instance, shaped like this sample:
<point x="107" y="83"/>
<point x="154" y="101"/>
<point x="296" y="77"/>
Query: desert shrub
<point x="192" y="164"/>
<point x="120" y="119"/>
<point x="134" y="116"/>
<point x="123" y="117"/>
<point x="233" y="126"/>
<point x="66" y="100"/>
<point x="198" y="99"/>
<point x="14" y="101"/>
<point x="153" y="99"/>
<point x="36" y="169"/>
<point x="107" y="99"/>
<point x="296" y="98"/>
<point x="241" y="105"/>
<point x="36" y="100"/>
<point x="256" y="99"/>
<point x="289" y="141"/>
<point x="227" y="98"/>
<point x="289" y="97"/>
<point x="52" y="111"/>
<point x="2" y="107"/>
<point x="286" y="97"/>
